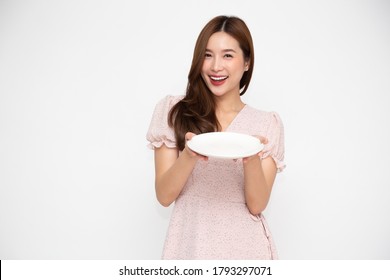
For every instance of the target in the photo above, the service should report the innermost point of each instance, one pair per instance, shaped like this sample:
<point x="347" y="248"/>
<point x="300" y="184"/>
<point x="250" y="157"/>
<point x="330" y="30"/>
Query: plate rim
<point x="235" y="156"/>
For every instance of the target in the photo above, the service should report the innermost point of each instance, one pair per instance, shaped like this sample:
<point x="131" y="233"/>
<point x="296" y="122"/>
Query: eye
<point x="207" y="55"/>
<point x="228" y="55"/>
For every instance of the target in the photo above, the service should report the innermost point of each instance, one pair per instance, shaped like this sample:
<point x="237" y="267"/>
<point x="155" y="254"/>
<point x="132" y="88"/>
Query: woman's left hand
<point x="262" y="140"/>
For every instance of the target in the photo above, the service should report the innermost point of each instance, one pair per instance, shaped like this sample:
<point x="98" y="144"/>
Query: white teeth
<point x="218" y="78"/>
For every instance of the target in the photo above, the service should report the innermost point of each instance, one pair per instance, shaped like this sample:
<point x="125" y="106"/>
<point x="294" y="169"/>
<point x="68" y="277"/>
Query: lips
<point x="218" y="80"/>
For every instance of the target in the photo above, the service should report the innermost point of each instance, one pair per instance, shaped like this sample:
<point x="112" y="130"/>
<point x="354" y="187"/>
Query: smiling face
<point x="224" y="64"/>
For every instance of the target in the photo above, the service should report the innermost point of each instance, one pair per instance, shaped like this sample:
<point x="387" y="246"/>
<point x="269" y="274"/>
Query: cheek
<point x="204" y="70"/>
<point x="205" y="66"/>
<point x="203" y="75"/>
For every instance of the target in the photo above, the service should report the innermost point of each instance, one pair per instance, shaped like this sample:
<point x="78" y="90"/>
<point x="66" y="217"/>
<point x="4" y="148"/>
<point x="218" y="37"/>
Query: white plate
<point x="228" y="145"/>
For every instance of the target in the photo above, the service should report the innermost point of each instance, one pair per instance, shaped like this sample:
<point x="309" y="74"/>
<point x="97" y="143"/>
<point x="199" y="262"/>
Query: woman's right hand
<point x="173" y="170"/>
<point x="190" y="152"/>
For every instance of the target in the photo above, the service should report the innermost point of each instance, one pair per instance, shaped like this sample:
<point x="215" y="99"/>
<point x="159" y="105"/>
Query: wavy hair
<point x="196" y="111"/>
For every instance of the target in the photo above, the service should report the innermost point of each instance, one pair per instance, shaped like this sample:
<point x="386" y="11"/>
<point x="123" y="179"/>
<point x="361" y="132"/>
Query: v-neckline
<point x="234" y="119"/>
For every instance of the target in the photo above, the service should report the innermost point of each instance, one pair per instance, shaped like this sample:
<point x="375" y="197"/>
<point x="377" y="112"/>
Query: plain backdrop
<point x="78" y="84"/>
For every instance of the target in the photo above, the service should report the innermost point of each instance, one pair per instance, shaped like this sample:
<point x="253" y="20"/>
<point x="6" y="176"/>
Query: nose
<point x="216" y="65"/>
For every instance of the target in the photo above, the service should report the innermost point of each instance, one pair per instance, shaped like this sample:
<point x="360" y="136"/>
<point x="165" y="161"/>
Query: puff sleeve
<point x="159" y="132"/>
<point x="275" y="145"/>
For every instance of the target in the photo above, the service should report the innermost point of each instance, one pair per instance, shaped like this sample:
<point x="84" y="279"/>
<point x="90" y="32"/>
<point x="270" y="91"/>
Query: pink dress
<point x="210" y="219"/>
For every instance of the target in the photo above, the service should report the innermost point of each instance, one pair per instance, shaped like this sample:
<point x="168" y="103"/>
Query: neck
<point x="229" y="103"/>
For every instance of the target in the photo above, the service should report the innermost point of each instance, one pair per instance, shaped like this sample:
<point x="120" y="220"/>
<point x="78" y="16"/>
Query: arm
<point x="172" y="171"/>
<point x="259" y="176"/>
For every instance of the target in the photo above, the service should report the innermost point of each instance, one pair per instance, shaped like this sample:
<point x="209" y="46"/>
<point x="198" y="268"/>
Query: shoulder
<point x="270" y="125"/>
<point x="163" y="107"/>
<point x="265" y="116"/>
<point x="263" y="122"/>
<point x="159" y="131"/>
<point x="255" y="111"/>
<point x="169" y="101"/>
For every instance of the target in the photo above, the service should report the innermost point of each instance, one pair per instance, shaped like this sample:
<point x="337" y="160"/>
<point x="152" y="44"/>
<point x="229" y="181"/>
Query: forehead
<point x="220" y="41"/>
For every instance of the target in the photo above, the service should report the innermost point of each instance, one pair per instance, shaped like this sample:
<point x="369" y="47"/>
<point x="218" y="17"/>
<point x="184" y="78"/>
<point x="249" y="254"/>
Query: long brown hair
<point x="196" y="111"/>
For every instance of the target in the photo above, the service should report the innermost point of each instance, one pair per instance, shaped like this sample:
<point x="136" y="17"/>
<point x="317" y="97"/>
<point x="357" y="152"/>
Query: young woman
<point x="218" y="202"/>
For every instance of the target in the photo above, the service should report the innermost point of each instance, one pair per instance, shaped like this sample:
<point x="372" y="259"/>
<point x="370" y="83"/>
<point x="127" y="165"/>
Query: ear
<point x="246" y="66"/>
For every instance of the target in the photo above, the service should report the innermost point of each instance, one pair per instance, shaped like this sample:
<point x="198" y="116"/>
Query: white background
<point x="78" y="84"/>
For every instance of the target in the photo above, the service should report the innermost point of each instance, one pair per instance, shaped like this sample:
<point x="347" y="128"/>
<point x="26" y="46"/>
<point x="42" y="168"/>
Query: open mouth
<point x="218" y="78"/>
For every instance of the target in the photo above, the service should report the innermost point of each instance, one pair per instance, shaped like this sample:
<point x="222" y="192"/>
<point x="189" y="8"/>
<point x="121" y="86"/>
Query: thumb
<point x="188" y="136"/>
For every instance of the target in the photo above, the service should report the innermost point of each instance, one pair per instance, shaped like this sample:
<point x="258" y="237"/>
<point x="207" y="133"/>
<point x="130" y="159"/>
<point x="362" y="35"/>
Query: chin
<point x="217" y="91"/>
<point x="218" y="94"/>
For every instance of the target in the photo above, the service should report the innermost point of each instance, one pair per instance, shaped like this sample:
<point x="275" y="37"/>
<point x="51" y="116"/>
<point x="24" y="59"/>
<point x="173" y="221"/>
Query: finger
<point x="188" y="136"/>
<point x="263" y="140"/>
<point x="246" y="159"/>
<point x="204" y="158"/>
<point x="260" y="154"/>
<point x="201" y="157"/>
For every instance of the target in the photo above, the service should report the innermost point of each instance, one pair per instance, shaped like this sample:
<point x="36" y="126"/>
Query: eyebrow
<point x="225" y="50"/>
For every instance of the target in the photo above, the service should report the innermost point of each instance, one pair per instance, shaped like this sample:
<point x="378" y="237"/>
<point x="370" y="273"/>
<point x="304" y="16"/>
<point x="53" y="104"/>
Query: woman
<point x="218" y="202"/>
